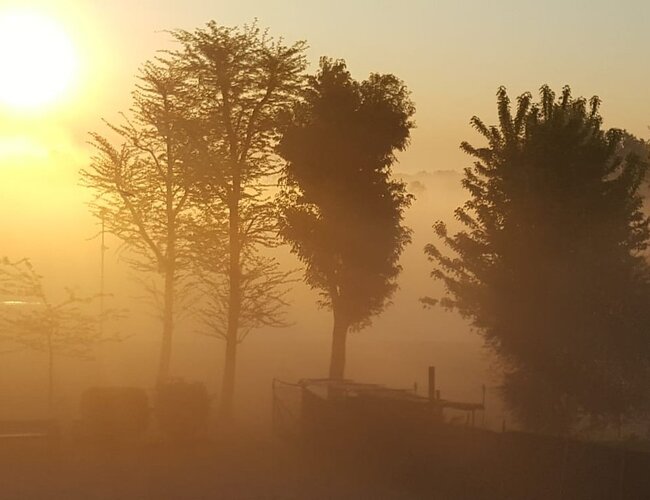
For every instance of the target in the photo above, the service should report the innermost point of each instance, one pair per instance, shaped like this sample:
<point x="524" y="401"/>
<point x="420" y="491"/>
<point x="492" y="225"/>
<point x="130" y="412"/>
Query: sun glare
<point x="37" y="58"/>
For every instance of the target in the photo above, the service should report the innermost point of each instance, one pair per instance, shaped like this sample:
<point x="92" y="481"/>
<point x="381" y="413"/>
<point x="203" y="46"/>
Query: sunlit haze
<point x="39" y="61"/>
<point x="78" y="124"/>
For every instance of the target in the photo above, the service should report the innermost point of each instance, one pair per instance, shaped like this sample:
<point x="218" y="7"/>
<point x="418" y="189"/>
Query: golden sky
<point x="453" y="55"/>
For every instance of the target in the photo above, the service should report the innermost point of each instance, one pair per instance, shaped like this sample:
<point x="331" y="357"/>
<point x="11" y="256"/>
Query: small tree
<point x="344" y="212"/>
<point x="244" y="81"/>
<point x="143" y="193"/>
<point x="549" y="267"/>
<point x="30" y="319"/>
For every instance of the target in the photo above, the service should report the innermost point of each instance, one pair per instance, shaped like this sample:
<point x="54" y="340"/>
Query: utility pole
<point x="101" y="274"/>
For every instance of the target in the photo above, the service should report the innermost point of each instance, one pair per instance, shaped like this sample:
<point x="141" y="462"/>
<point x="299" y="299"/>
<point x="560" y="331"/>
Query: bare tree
<point x="30" y="319"/>
<point x="142" y="190"/>
<point x="245" y="80"/>
<point x="264" y="285"/>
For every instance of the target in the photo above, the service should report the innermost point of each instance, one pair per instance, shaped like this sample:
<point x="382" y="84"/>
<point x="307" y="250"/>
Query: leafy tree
<point x="244" y="81"/>
<point x="344" y="212"/>
<point x="549" y="268"/>
<point x="31" y="319"/>
<point x="631" y="144"/>
<point x="143" y="192"/>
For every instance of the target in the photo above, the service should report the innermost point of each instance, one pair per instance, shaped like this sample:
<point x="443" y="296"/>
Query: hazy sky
<point x="452" y="54"/>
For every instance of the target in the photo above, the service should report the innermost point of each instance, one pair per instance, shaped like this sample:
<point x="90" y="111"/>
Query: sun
<point x="38" y="61"/>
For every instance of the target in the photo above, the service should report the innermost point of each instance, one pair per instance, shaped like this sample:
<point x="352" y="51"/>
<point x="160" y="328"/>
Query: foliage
<point x="343" y="212"/>
<point x="243" y="80"/>
<point x="549" y="267"/>
<point x="142" y="187"/>
<point x="139" y="181"/>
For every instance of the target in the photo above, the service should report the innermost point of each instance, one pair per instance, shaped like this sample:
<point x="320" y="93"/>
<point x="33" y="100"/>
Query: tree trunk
<point x="168" y="327"/>
<point x="228" y="382"/>
<point x="169" y="263"/>
<point x="234" y="307"/>
<point x="339" y="338"/>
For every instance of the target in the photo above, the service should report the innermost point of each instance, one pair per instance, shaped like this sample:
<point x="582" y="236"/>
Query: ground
<point x="236" y="467"/>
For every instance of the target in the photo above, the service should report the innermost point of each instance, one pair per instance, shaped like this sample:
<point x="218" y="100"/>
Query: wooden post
<point x="432" y="383"/>
<point x="621" y="475"/>
<point x="483" y="412"/>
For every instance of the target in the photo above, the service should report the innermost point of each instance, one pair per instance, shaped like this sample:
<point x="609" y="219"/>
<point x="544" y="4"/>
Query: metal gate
<point x="287" y="409"/>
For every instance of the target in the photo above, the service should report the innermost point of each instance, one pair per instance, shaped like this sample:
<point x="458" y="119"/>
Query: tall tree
<point x="245" y="80"/>
<point x="264" y="285"/>
<point x="549" y="267"/>
<point x="143" y="192"/>
<point x="31" y="319"/>
<point x="344" y="211"/>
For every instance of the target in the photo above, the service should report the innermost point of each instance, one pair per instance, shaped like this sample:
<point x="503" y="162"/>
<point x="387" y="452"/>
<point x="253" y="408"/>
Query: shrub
<point x="182" y="409"/>
<point x="114" y="411"/>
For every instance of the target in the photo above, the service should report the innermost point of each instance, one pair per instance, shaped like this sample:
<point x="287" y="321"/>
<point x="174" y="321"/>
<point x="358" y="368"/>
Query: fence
<point x="406" y="442"/>
<point x="287" y="409"/>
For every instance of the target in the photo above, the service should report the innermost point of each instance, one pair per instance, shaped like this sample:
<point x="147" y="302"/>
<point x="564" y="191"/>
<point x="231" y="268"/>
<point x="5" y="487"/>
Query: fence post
<point x="565" y="465"/>
<point x="621" y="475"/>
<point x="432" y="383"/>
<point x="273" y="410"/>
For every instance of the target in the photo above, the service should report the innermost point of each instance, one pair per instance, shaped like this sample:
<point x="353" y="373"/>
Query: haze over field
<point x="411" y="237"/>
<point x="451" y="63"/>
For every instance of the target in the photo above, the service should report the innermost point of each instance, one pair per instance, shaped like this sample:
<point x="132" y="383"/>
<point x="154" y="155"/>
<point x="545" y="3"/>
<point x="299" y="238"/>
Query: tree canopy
<point x="245" y="81"/>
<point x="549" y="267"/>
<point x="142" y="186"/>
<point x="344" y="212"/>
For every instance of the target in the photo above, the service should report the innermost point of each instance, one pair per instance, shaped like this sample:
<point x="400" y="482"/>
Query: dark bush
<point x="182" y="409"/>
<point x="114" y="411"/>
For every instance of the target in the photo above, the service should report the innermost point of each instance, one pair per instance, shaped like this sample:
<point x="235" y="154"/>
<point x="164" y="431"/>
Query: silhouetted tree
<point x="344" y="212"/>
<point x="30" y="319"/>
<point x="263" y="284"/>
<point x="143" y="192"/>
<point x="244" y="80"/>
<point x="630" y="144"/>
<point x="549" y="268"/>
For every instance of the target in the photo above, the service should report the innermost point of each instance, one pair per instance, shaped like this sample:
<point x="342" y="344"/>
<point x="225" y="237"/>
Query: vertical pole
<point x="101" y="277"/>
<point x="432" y="383"/>
<point x="274" y="423"/>
<point x="483" y="413"/>
<point x="50" y="372"/>
<point x="621" y="475"/>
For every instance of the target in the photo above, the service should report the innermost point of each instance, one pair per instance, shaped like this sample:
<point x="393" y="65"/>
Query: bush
<point x="114" y="411"/>
<point x="182" y="409"/>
